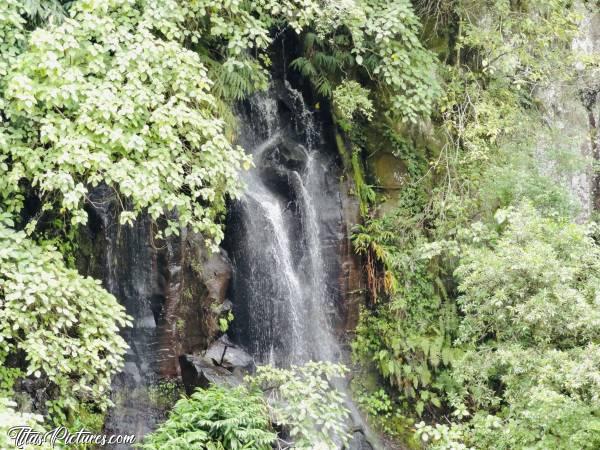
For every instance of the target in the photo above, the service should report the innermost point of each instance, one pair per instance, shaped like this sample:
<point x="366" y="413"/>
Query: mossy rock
<point x="388" y="171"/>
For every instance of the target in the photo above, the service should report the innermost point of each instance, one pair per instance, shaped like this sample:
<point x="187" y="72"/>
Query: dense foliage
<point x="530" y="304"/>
<point x="531" y="324"/>
<point x="48" y="317"/>
<point x="302" y="403"/>
<point x="482" y="269"/>
<point x="216" y="418"/>
<point x="137" y="96"/>
<point x="486" y="289"/>
<point x="108" y="102"/>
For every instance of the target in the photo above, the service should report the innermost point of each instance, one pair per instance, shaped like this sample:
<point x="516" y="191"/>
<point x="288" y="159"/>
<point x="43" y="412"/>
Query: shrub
<point x="530" y="376"/>
<point x="216" y="418"/>
<point x="305" y="402"/>
<point x="64" y="325"/>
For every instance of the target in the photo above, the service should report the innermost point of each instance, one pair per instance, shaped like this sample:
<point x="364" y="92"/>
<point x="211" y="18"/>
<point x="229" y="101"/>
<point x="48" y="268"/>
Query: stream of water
<point x="282" y="282"/>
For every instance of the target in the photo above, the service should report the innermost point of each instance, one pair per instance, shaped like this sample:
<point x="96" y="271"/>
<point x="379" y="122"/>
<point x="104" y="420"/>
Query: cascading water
<point x="283" y="284"/>
<point x="283" y="238"/>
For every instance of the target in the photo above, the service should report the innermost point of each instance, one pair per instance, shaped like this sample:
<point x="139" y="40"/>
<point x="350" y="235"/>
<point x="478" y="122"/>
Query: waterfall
<point x="284" y="239"/>
<point x="283" y="283"/>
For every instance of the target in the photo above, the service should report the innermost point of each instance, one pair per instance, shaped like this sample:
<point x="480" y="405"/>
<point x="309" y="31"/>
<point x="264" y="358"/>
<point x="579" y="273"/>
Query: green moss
<point x="187" y="294"/>
<point x="165" y="393"/>
<point x="388" y="170"/>
<point x="366" y="194"/>
<point x="196" y="266"/>
<point x="342" y="148"/>
<point x="381" y="408"/>
<point x="180" y="324"/>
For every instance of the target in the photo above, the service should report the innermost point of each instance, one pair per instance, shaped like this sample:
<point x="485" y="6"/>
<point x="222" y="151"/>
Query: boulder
<point x="279" y="162"/>
<point x="226" y="354"/>
<point x="32" y="394"/>
<point x="196" y="372"/>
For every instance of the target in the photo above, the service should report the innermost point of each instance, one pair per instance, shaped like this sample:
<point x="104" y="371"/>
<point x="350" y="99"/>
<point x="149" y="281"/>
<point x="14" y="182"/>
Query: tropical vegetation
<point x="481" y="326"/>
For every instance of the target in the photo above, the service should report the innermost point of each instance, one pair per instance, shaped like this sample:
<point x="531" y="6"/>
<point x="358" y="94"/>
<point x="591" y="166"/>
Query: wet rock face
<point x="359" y="442"/>
<point x="130" y="267"/>
<point x="173" y="290"/>
<point x="572" y="114"/>
<point x="197" y="283"/>
<point x="351" y="278"/>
